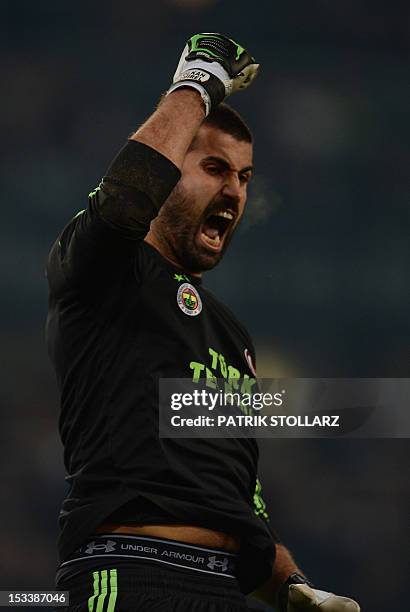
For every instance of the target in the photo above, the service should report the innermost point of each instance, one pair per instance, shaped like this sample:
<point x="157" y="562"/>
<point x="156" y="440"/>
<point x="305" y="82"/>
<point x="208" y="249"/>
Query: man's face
<point x="198" y="219"/>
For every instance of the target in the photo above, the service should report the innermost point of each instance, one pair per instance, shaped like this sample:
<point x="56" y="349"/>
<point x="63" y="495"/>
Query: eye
<point x="213" y="169"/>
<point x="244" y="178"/>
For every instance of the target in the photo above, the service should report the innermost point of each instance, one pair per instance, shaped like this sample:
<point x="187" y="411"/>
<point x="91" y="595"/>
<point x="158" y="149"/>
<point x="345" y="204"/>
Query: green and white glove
<point x="297" y="595"/>
<point x="214" y="65"/>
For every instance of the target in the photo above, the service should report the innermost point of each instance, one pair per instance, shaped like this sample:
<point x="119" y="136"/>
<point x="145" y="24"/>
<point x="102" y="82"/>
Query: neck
<point x="162" y="247"/>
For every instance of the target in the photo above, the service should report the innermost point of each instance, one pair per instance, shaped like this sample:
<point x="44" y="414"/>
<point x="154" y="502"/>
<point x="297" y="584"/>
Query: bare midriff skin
<point x="182" y="533"/>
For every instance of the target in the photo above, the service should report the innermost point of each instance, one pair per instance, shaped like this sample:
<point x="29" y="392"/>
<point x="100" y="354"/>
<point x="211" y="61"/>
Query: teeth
<point x="215" y="241"/>
<point x="225" y="214"/>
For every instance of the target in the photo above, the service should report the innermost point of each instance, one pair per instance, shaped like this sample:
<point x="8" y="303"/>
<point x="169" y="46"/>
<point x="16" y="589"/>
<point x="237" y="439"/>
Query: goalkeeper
<point x="150" y="523"/>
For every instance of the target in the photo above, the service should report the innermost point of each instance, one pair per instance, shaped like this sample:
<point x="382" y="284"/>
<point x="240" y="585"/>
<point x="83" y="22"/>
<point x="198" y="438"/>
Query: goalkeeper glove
<point x="298" y="594"/>
<point x="214" y="65"/>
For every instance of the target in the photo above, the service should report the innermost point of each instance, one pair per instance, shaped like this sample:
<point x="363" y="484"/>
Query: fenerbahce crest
<point x="189" y="300"/>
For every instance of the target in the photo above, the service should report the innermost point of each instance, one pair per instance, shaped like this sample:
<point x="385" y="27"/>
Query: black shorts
<point x="143" y="586"/>
<point x="118" y="573"/>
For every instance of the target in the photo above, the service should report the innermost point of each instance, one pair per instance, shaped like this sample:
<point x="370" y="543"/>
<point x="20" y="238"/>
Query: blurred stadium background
<point x="319" y="272"/>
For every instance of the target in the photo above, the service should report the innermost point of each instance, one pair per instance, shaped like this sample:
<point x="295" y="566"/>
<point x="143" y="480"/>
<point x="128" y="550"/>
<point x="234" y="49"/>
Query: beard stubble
<point x="177" y="226"/>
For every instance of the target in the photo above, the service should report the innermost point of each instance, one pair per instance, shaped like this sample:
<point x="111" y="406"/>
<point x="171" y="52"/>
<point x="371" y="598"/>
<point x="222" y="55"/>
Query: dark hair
<point x="228" y="120"/>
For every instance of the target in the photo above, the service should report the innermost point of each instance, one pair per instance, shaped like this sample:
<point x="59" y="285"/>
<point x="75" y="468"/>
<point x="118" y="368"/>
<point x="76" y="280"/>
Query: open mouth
<point x="215" y="228"/>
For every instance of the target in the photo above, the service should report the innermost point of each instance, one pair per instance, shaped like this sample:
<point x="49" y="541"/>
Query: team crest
<point x="189" y="300"/>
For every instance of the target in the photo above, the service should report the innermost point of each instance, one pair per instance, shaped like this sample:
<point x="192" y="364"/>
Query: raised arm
<point x="101" y="239"/>
<point x="173" y="126"/>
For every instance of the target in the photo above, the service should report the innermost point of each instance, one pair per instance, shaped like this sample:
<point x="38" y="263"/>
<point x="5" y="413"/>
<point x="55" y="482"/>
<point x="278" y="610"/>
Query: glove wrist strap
<point x="209" y="78"/>
<point x="283" y="591"/>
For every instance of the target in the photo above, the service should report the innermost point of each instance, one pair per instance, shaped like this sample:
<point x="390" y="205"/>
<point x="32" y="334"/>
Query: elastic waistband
<point x="168" y="552"/>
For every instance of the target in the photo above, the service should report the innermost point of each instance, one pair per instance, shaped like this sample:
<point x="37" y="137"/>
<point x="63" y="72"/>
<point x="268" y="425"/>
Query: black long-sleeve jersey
<point x="120" y="318"/>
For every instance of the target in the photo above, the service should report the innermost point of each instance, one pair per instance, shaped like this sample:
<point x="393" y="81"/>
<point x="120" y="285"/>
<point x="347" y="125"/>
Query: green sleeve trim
<point x="258" y="501"/>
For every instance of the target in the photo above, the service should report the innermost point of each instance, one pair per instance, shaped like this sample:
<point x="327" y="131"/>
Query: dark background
<point x="318" y="271"/>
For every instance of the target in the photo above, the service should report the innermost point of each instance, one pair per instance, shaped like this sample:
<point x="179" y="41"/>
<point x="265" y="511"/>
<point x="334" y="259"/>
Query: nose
<point x="232" y="186"/>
